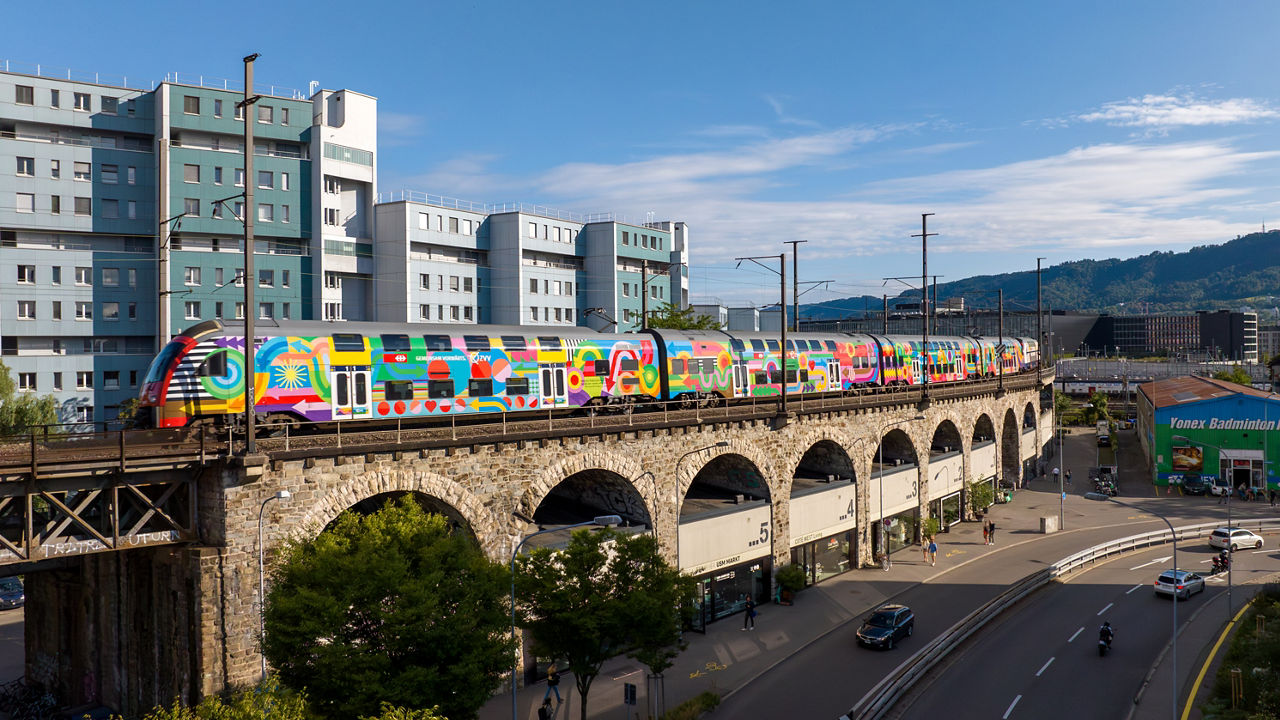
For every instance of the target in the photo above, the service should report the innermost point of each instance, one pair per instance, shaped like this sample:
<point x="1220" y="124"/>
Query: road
<point x="1043" y="658"/>
<point x="12" y="648"/>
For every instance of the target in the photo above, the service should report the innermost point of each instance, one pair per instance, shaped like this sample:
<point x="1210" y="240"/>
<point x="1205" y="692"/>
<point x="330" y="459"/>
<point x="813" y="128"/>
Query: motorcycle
<point x="1221" y="563"/>
<point x="1104" y="645"/>
<point x="1107" y="487"/>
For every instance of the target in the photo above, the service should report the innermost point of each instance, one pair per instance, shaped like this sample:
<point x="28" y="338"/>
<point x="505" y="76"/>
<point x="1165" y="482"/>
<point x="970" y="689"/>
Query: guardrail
<point x="881" y="698"/>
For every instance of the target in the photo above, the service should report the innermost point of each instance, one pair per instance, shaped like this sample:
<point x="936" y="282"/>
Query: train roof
<point x="314" y="328"/>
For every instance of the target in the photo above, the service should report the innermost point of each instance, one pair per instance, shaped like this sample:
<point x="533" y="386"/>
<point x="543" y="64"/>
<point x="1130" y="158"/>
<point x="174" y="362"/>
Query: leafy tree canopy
<point x="605" y="593"/>
<point x="21" y="410"/>
<point x="1235" y="375"/>
<point x="671" y="317"/>
<point x="390" y="607"/>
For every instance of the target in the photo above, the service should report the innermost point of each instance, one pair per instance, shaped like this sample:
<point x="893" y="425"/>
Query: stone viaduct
<point x="134" y="628"/>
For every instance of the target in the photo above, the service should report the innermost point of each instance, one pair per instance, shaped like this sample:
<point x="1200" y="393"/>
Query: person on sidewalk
<point x="986" y="533"/>
<point x="933" y="551"/>
<point x="749" y="617"/>
<point x="1055" y="475"/>
<point x="546" y="712"/>
<point x="991" y="532"/>
<point x="1068" y="477"/>
<point x="1272" y="494"/>
<point x="553" y="683"/>
<point x="924" y="547"/>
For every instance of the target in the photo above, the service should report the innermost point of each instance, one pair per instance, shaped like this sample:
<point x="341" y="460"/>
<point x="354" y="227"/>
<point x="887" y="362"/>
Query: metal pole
<point x="782" y="308"/>
<point x="644" y="294"/>
<point x="1062" y="462"/>
<point x="884" y="313"/>
<point x="795" y="282"/>
<point x="1039" y="318"/>
<point x="250" y="369"/>
<point x="1002" y="348"/>
<point x="924" y="304"/>
<point x="934" y="308"/>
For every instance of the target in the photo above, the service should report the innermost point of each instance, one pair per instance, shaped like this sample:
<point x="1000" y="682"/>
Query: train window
<point x="362" y="388"/>
<point x="480" y="388"/>
<point x="773" y="345"/>
<point x="737" y="345"/>
<point x="547" y="342"/>
<point x="757" y="346"/>
<point x="398" y="389"/>
<point x="791" y="376"/>
<point x="775" y="376"/>
<point x="342" y="391"/>
<point x="679" y="366"/>
<point x="761" y="377"/>
<point x="395" y="343"/>
<point x="831" y="345"/>
<point x="215" y="365"/>
<point x="791" y="345"/>
<point x="476" y="343"/>
<point x="513" y="342"/>
<point x="439" y="389"/>
<point x="348" y="342"/>
<point x="628" y="365"/>
<point x="517" y="386"/>
<point x="804" y="376"/>
<point x="438" y="342"/>
<point x="600" y="367"/>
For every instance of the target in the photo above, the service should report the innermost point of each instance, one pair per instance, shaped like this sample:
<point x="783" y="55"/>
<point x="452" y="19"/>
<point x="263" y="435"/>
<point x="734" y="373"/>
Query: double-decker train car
<point x="305" y="371"/>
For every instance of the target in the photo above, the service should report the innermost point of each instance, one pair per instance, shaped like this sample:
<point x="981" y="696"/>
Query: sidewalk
<point x="727" y="658"/>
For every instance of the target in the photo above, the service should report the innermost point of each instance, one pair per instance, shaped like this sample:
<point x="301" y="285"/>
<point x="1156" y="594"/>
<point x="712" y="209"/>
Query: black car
<point x="1194" y="484"/>
<point x="11" y="593"/>
<point x="887" y="625"/>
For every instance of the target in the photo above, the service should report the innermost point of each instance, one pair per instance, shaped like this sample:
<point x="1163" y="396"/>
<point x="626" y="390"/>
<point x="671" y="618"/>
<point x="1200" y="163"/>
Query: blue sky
<point x="1056" y="130"/>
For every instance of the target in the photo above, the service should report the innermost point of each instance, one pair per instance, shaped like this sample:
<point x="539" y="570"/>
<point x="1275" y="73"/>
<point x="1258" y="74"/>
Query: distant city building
<point x="744" y="319"/>
<point x="716" y="312"/>
<point x="1220" y="334"/>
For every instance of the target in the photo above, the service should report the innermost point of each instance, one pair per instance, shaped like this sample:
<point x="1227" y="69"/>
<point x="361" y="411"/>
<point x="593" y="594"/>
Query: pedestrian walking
<point x="933" y="552"/>
<point x="986" y="533"/>
<point x="924" y="547"/>
<point x="1272" y="495"/>
<point x="1055" y="474"/>
<point x="1068" y="477"/>
<point x="553" y="683"/>
<point x="1222" y="497"/>
<point x="749" y="617"/>
<point x="546" y="712"/>
<point x="992" y="532"/>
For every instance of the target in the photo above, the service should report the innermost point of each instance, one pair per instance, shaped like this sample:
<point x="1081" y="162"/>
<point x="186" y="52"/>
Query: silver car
<point x="1180" y="584"/>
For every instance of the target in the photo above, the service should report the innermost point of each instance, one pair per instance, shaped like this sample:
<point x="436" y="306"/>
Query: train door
<point x="741" y="376"/>
<point x="833" y="374"/>
<point x="352" y="397"/>
<point x="554" y="387"/>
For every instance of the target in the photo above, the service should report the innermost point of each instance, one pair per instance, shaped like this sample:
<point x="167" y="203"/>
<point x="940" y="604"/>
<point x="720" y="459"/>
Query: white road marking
<point x="1135" y="587"/>
<point x="1108" y="607"/>
<point x="1010" y="710"/>
<point x="1077" y="633"/>
<point x="1153" y="562"/>
<point x="1255" y="552"/>
<point x="1046" y="665"/>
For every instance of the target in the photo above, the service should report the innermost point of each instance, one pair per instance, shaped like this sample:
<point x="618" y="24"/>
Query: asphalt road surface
<point x="12" y="649"/>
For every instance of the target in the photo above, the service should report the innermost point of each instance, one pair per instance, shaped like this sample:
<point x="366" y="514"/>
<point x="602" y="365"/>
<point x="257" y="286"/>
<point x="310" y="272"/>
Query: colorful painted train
<point x="322" y="372"/>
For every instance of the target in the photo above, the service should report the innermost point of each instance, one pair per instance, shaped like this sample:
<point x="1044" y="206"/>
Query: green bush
<point x="791" y="578"/>
<point x="1255" y="654"/>
<point x="692" y="709"/>
<point x="931" y="527"/>
<point x="981" y="496"/>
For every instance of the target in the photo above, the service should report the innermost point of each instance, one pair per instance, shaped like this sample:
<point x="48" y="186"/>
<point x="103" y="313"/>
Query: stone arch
<point x="1029" y="416"/>
<point x="748" y="451"/>
<point x="984" y="428"/>
<point x="626" y="468"/>
<point x="946" y="437"/>
<point x="798" y="448"/>
<point x="1010" y="448"/>
<point x="407" y="479"/>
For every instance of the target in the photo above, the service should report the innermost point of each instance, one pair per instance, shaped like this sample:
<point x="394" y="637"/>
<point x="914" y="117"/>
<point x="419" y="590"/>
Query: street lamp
<point x="1230" y="490"/>
<point x="941" y="510"/>
<point x="600" y="521"/>
<point x="1062" y="460"/>
<point x="884" y="540"/>
<point x="1173" y="534"/>
<point x="262" y="585"/>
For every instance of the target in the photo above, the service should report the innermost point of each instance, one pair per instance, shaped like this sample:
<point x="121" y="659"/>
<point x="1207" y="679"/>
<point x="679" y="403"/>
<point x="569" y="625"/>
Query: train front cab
<point x="154" y="409"/>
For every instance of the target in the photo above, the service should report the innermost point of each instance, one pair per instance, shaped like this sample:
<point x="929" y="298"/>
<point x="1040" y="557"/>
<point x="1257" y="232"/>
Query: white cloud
<point x="398" y="129"/>
<point x="1161" y="112"/>
<point x="783" y="116"/>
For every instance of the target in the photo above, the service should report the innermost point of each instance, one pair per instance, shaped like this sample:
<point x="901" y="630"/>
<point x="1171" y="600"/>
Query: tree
<point x="1097" y="408"/>
<point x="390" y="607"/>
<point x="671" y="317"/>
<point x="1061" y="404"/>
<point x="1236" y="375"/>
<point x="19" y="411"/>
<point x="604" y="594"/>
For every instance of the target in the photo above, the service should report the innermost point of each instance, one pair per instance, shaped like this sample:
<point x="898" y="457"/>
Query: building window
<point x="284" y="181"/>
<point x="239" y="277"/>
<point x="84" y="311"/>
<point x="57" y="381"/>
<point x="424" y="281"/>
<point x="133" y="311"/>
<point x="284" y="116"/>
<point x="217" y="211"/>
<point x="133" y="210"/>
<point x="133" y="378"/>
<point x="27" y="166"/>
<point x="332" y="185"/>
<point x="453" y="283"/>
<point x="266" y="213"/>
<point x="217" y="108"/>
<point x="55" y="99"/>
<point x="239" y="177"/>
<point x="453" y="225"/>
<point x="192" y="310"/>
<point x="239" y="211"/>
<point x="27" y="382"/>
<point x="424" y="221"/>
<point x="331" y="216"/>
<point x="132" y="177"/>
<point x="453" y="313"/>
<point x="217" y="310"/>
<point x="83" y="171"/>
<point x="84" y="276"/>
<point x="191" y="276"/>
<point x="110" y="311"/>
<point x="284" y="213"/>
<point x="24" y="95"/>
<point x="110" y="277"/>
<point x="111" y="380"/>
<point x="81" y="101"/>
<point x="533" y="314"/>
<point x="240" y="311"/>
<point x="110" y="105"/>
<point x="55" y="168"/>
<point x="466" y="313"/>
<point x="110" y="174"/>
<point x="26" y="202"/>
<point x="266" y="278"/>
<point x="333" y="311"/>
<point x="84" y="413"/>
<point x="217" y="176"/>
<point x="266" y="311"/>
<point x="191" y="173"/>
<point x="533" y="286"/>
<point x="111" y="209"/>
<point x="424" y="312"/>
<point x="266" y="180"/>
<point x="27" y="274"/>
<point x="26" y="309"/>
<point x="466" y="284"/>
<point x="265" y="114"/>
<point x="190" y="105"/>
<point x="284" y="278"/>
<point x="84" y="380"/>
<point x="56" y="272"/>
<point x="84" y="206"/>
<point x="191" y="206"/>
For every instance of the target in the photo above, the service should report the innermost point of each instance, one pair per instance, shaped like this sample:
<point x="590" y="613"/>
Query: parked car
<point x="1194" y="484"/>
<point x="1179" y="584"/>
<point x="1220" y="486"/>
<point x="11" y="593"/>
<point x="886" y="625"/>
<point x="1234" y="538"/>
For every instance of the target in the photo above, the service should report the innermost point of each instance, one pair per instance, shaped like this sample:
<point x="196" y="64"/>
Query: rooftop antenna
<point x="312" y="87"/>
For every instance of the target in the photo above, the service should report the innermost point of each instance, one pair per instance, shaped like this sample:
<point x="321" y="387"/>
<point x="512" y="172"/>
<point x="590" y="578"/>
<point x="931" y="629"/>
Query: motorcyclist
<point x="1105" y="633"/>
